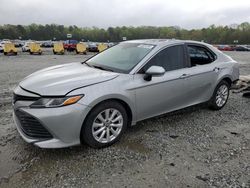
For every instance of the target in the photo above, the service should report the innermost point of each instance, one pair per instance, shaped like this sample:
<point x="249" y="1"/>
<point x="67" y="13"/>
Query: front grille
<point x="23" y="98"/>
<point x="31" y="126"/>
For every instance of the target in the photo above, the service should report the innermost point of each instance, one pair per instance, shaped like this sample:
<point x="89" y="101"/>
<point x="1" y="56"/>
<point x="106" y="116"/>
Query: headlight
<point x="55" y="102"/>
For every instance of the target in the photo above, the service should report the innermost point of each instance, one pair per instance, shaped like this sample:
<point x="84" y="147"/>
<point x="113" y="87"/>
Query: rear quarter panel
<point x="229" y="68"/>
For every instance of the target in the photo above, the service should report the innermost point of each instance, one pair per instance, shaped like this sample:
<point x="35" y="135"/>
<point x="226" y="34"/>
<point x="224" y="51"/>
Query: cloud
<point x="100" y="13"/>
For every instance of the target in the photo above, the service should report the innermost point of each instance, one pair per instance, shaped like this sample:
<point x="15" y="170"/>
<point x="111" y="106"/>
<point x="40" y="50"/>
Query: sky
<point x="189" y="14"/>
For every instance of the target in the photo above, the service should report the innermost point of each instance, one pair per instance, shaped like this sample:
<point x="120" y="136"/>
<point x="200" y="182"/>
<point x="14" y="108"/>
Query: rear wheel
<point x="220" y="96"/>
<point x="105" y="124"/>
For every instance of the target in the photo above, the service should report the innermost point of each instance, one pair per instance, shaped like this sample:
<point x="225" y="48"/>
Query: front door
<point x="165" y="93"/>
<point x="160" y="95"/>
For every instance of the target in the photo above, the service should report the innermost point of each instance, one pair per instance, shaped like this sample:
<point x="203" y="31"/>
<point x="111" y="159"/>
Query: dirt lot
<point x="194" y="147"/>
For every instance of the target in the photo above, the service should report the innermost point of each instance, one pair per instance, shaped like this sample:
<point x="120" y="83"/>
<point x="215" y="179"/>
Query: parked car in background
<point x="241" y="48"/>
<point x="47" y="44"/>
<point x="110" y="44"/>
<point x="225" y="48"/>
<point x="96" y="100"/>
<point x="18" y="43"/>
<point x="25" y="47"/>
<point x="70" y="45"/>
<point x="1" y="47"/>
<point x="92" y="47"/>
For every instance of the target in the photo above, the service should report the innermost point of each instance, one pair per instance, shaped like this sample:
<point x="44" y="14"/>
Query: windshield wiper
<point x="88" y="64"/>
<point x="98" y="67"/>
<point x="102" y="68"/>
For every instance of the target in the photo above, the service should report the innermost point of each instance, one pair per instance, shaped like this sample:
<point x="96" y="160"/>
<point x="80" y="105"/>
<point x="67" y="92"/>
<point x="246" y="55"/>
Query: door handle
<point x="184" y="76"/>
<point x="216" y="69"/>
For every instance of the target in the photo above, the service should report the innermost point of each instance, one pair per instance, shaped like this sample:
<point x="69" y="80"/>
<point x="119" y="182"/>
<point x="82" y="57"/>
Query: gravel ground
<point x="194" y="147"/>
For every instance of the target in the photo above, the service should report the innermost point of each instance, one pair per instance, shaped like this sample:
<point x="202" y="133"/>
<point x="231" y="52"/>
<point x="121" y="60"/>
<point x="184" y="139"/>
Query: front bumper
<point x="63" y="123"/>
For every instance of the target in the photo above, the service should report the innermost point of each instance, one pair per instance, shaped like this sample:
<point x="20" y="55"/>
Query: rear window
<point x="200" y="55"/>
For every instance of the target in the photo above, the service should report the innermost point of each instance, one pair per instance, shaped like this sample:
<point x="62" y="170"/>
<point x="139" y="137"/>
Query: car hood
<point x="60" y="80"/>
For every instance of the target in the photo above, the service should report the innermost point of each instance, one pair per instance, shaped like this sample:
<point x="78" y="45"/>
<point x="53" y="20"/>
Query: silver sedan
<point x="96" y="100"/>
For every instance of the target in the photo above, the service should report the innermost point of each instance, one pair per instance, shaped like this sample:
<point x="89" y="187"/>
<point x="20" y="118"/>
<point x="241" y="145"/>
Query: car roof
<point x="163" y="42"/>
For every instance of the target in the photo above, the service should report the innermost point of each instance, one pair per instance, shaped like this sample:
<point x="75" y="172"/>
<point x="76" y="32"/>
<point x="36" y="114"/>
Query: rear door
<point x="202" y="74"/>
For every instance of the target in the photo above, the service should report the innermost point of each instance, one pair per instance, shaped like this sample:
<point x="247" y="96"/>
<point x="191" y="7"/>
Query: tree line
<point x="212" y="34"/>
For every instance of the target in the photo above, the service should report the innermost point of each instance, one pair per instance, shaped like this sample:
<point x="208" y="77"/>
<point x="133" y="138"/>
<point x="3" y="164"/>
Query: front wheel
<point x="105" y="124"/>
<point x="220" y="96"/>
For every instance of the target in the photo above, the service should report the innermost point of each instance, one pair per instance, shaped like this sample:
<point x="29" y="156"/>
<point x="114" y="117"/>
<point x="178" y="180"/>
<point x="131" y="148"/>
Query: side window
<point x="171" y="58"/>
<point x="199" y="55"/>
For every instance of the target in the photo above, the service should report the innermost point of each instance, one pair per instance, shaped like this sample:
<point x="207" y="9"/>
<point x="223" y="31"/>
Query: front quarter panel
<point x="117" y="88"/>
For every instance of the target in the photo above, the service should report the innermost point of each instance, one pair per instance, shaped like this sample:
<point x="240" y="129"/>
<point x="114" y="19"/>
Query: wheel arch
<point x="226" y="78"/>
<point x="125" y="104"/>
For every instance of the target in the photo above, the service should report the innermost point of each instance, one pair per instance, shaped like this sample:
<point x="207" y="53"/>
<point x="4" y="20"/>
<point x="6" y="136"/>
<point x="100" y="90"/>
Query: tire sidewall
<point x="86" y="132"/>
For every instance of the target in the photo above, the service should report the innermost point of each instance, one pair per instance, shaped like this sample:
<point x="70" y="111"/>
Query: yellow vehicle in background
<point x="81" y="48"/>
<point x="102" y="47"/>
<point x="58" y="48"/>
<point x="35" y="48"/>
<point x="9" y="48"/>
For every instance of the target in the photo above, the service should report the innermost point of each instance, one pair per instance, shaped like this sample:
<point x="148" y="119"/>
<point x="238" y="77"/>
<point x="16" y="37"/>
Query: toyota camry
<point x="94" y="101"/>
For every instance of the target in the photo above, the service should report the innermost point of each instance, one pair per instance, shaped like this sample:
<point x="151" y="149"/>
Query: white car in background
<point x="25" y="47"/>
<point x="1" y="47"/>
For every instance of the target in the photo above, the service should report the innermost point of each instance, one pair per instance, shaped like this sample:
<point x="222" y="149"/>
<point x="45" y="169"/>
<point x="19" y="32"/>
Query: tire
<point x="31" y="53"/>
<point x="103" y="125"/>
<point x="5" y="53"/>
<point x="220" y="96"/>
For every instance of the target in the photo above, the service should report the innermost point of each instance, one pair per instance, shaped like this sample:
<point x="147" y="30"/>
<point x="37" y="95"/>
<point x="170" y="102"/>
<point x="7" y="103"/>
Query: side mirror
<point x="154" y="71"/>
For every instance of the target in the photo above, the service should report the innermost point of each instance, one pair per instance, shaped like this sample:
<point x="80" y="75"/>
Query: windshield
<point x="122" y="57"/>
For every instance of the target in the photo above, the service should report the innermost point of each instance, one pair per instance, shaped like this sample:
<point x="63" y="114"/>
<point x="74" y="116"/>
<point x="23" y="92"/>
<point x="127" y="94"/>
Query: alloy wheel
<point x="221" y="95"/>
<point x="107" y="125"/>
